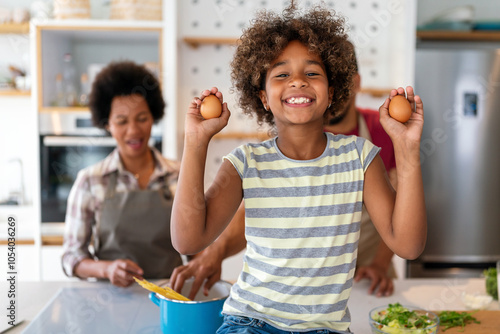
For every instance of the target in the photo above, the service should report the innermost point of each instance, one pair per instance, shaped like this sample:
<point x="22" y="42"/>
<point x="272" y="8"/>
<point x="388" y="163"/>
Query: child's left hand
<point x="411" y="131"/>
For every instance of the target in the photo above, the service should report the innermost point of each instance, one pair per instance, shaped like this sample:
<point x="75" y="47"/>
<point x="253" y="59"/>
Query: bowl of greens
<point x="399" y="319"/>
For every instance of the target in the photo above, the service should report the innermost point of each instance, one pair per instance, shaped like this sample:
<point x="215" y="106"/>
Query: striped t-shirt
<point x="302" y="220"/>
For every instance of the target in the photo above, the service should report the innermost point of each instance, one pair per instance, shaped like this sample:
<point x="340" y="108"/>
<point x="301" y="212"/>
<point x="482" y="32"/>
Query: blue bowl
<point x="200" y="316"/>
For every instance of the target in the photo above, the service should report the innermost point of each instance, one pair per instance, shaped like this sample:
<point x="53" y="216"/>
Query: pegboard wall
<point x="378" y="28"/>
<point x="381" y="30"/>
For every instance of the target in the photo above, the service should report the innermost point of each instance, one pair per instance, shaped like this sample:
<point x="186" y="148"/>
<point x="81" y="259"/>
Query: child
<point x="303" y="189"/>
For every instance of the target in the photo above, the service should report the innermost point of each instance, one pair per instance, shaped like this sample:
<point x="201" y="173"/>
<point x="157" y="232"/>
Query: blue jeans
<point x="243" y="325"/>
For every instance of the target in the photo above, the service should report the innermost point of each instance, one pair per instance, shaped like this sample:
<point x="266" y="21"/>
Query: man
<point x="374" y="257"/>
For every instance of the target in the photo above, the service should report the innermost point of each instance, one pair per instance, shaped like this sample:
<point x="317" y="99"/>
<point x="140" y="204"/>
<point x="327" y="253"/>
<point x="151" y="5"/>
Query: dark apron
<point x="135" y="225"/>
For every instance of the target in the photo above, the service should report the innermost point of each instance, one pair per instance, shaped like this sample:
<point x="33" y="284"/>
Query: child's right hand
<point x="411" y="131"/>
<point x="201" y="127"/>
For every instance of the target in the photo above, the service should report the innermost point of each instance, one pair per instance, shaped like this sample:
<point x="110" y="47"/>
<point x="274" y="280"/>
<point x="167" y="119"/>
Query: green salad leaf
<point x="450" y="319"/>
<point x="491" y="282"/>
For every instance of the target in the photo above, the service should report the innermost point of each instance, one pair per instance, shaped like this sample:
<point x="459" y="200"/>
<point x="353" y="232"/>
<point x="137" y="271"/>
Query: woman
<point x="117" y="220"/>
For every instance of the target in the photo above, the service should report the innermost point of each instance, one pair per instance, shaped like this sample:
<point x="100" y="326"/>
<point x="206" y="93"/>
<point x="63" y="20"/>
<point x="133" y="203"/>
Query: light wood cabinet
<point x="92" y="44"/>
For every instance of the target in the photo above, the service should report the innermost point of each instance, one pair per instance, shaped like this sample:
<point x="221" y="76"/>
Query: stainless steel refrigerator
<point x="460" y="152"/>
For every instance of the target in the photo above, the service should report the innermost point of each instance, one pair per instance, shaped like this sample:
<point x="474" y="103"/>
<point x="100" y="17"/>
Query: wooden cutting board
<point x="490" y="324"/>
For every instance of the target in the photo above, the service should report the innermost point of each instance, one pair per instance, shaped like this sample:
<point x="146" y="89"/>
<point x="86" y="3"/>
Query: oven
<point x="68" y="143"/>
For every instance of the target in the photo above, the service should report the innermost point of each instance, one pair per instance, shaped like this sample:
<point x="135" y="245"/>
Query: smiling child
<point x="303" y="189"/>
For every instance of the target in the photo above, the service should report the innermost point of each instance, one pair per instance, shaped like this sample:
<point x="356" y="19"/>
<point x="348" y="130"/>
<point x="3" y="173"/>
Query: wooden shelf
<point x="445" y="35"/>
<point x="14" y="28"/>
<point x="242" y="135"/>
<point x="195" y="42"/>
<point x="14" y="92"/>
<point x="52" y="240"/>
<point x="376" y="92"/>
<point x="4" y="242"/>
<point x="47" y="240"/>
<point x="63" y="109"/>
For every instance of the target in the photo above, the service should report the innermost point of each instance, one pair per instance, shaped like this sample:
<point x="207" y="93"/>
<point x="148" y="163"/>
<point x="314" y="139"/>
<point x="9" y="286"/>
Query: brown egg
<point x="210" y="107"/>
<point x="400" y="108"/>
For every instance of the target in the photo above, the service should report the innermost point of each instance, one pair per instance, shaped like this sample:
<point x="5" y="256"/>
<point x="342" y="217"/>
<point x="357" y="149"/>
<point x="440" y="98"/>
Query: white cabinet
<point x="27" y="241"/>
<point x="51" y="269"/>
<point x="27" y="262"/>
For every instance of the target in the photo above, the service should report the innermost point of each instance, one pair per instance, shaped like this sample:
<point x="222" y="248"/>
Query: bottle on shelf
<point x="84" y="90"/>
<point x="59" y="100"/>
<point x="69" y="80"/>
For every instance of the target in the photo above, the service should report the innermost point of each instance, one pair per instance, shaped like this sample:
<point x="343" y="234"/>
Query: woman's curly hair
<point x="122" y="79"/>
<point x="320" y="29"/>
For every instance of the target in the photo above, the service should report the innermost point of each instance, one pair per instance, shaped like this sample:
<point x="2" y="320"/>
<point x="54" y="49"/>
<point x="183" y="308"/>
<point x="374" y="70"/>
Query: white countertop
<point x="431" y="294"/>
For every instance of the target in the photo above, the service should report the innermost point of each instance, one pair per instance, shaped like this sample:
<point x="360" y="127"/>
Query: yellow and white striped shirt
<point x="302" y="220"/>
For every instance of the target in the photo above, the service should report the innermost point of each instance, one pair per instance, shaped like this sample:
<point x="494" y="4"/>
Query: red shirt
<point x="379" y="137"/>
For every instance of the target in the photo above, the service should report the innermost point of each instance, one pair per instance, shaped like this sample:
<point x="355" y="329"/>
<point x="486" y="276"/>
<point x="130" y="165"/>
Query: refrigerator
<point x="460" y="158"/>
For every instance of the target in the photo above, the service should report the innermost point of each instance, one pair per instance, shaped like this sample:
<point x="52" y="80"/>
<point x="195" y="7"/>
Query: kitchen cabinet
<point x="25" y="219"/>
<point x="92" y="44"/>
<point x="51" y="268"/>
<point x="26" y="234"/>
<point x="26" y="263"/>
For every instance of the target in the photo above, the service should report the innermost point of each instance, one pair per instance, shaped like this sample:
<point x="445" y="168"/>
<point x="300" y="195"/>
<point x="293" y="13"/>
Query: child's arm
<point x="399" y="217"/>
<point x="206" y="266"/>
<point x="198" y="218"/>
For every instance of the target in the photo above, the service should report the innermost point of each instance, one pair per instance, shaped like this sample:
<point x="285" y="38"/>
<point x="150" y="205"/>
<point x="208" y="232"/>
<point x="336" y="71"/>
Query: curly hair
<point x="122" y="79"/>
<point x="320" y="29"/>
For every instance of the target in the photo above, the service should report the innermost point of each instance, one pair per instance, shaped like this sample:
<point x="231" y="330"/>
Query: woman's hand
<point x="411" y="131"/>
<point x="121" y="272"/>
<point x="200" y="127"/>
